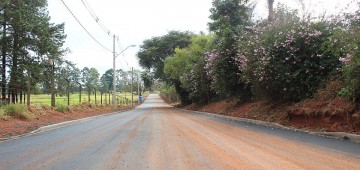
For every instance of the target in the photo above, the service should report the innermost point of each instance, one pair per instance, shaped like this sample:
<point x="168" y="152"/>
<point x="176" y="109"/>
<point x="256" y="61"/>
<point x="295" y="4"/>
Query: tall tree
<point x="51" y="51"/>
<point x="66" y="72"/>
<point x="228" y="17"/>
<point x="4" y="50"/>
<point x="107" y="79"/>
<point x="270" y="9"/>
<point x="187" y="66"/>
<point x="27" y="38"/>
<point x="148" y="79"/>
<point x="154" y="51"/>
<point x="90" y="78"/>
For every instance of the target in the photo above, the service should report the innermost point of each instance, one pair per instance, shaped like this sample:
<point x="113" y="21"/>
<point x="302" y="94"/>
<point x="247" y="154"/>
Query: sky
<point x="133" y="21"/>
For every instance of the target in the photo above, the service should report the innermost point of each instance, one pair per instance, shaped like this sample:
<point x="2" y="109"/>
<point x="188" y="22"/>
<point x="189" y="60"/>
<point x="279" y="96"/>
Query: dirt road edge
<point x="336" y="135"/>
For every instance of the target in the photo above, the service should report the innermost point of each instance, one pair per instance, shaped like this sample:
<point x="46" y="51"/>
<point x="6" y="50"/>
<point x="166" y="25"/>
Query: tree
<point x="270" y="9"/>
<point x="229" y="17"/>
<point x="27" y="37"/>
<point x="286" y="60"/>
<point x="51" y="50"/>
<point x="90" y="77"/>
<point x="67" y="72"/>
<point x="124" y="80"/>
<point x="107" y="80"/>
<point x="186" y="70"/>
<point x="148" y="79"/>
<point x="154" y="51"/>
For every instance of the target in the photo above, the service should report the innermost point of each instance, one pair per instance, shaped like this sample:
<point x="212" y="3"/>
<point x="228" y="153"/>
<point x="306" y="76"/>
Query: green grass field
<point x="45" y="99"/>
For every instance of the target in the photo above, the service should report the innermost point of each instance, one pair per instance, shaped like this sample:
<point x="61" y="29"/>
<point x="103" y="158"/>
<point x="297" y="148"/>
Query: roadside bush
<point x="188" y="66"/>
<point x="170" y="93"/>
<point x="345" y="44"/>
<point x="285" y="60"/>
<point x="228" y="18"/>
<point x="2" y="114"/>
<point x="62" y="108"/>
<point x="17" y="111"/>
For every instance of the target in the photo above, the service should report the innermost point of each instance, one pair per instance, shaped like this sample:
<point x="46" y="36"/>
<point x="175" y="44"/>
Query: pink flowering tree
<point x="345" y="45"/>
<point x="285" y="60"/>
<point x="187" y="68"/>
<point x="228" y="17"/>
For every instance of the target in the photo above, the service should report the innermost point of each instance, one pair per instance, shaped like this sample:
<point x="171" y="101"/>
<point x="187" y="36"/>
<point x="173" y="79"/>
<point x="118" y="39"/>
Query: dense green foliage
<point x="282" y="58"/>
<point x="61" y="108"/>
<point x="345" y="44"/>
<point x="188" y="67"/>
<point x="285" y="60"/>
<point x="154" y="51"/>
<point x="229" y="17"/>
<point x="31" y="47"/>
<point x="32" y="57"/>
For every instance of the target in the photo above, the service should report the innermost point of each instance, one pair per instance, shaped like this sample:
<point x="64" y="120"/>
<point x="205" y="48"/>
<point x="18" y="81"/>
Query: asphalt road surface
<point x="157" y="136"/>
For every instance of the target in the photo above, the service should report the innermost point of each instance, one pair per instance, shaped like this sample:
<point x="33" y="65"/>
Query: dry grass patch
<point x="17" y="111"/>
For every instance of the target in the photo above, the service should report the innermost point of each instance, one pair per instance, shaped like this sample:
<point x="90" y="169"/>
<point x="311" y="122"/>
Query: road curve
<point x="157" y="136"/>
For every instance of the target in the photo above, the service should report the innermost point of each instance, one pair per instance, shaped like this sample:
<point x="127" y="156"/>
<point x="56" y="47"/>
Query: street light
<point x="114" y="77"/>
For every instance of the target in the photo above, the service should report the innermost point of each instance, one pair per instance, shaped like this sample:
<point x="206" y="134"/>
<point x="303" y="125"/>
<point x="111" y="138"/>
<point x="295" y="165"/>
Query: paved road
<point x="156" y="136"/>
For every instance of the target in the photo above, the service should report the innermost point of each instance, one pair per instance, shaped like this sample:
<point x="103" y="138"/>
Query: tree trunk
<point x="109" y="98"/>
<point x="89" y="92"/>
<point x="21" y="97"/>
<point x="14" y="74"/>
<point x="68" y="92"/>
<point x="52" y="85"/>
<point x="80" y="87"/>
<point x="28" y="88"/>
<point x="271" y="10"/>
<point x="95" y="95"/>
<point x="3" y="73"/>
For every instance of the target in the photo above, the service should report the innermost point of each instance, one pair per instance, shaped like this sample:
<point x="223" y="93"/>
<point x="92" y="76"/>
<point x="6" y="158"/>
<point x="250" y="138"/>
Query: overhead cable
<point x="85" y="28"/>
<point x="95" y="17"/>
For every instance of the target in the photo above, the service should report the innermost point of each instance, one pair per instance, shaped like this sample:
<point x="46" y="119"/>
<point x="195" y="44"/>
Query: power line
<point x="85" y="28"/>
<point x="123" y="54"/>
<point x="97" y="20"/>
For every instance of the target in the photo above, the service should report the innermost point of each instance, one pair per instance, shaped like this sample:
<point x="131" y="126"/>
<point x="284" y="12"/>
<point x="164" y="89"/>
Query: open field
<point x="45" y="99"/>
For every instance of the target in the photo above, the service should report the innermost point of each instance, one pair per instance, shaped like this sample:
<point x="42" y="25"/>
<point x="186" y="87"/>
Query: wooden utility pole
<point x="132" y="91"/>
<point x="68" y="92"/>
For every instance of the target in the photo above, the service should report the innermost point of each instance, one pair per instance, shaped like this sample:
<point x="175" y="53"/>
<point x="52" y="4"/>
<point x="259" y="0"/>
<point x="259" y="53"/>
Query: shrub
<point x="188" y="66"/>
<point x="17" y="111"/>
<point x="228" y="17"/>
<point x="62" y="108"/>
<point x="170" y="93"/>
<point x="329" y="89"/>
<point x="2" y="114"/>
<point x="285" y="60"/>
<point x="345" y="43"/>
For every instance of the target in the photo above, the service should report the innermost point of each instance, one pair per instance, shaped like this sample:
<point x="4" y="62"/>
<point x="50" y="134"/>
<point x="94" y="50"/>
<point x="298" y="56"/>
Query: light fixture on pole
<point x="114" y="77"/>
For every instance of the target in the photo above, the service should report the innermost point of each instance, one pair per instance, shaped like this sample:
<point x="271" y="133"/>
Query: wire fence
<point x="20" y="97"/>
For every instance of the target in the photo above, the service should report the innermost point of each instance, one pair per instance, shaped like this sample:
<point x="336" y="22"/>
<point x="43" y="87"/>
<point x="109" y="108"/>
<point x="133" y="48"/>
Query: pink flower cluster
<point x="346" y="59"/>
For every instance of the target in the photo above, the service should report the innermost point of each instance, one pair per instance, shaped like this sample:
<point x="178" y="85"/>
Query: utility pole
<point x="132" y="91"/>
<point x="114" y="77"/>
<point x="138" y="83"/>
<point x="114" y="85"/>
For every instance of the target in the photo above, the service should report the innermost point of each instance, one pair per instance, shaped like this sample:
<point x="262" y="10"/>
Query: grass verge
<point x="17" y="111"/>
